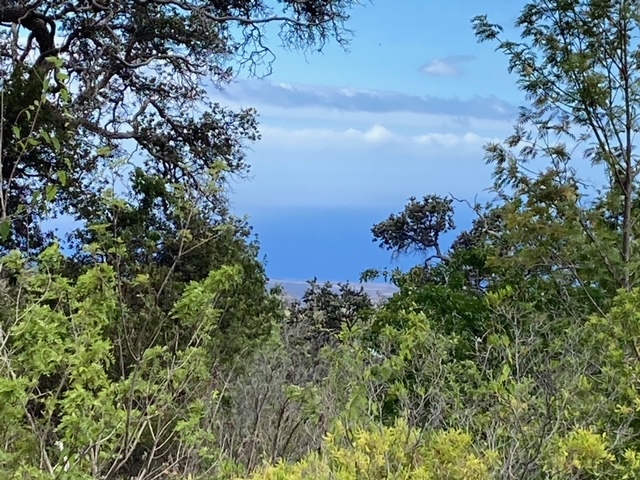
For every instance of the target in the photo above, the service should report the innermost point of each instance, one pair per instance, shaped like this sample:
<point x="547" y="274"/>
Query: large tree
<point x="138" y="73"/>
<point x="563" y="223"/>
<point x="577" y="63"/>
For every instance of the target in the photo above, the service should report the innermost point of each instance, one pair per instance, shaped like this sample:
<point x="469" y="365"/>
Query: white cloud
<point x="447" y="66"/>
<point x="440" y="68"/>
<point x="451" y="140"/>
<point x="314" y="116"/>
<point x="377" y="135"/>
<point x="296" y="288"/>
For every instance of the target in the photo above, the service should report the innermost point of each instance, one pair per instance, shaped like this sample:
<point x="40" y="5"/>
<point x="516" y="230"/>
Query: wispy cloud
<point x="296" y="96"/>
<point x="447" y="66"/>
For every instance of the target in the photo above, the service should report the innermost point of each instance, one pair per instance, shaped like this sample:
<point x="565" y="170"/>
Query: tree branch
<point x="41" y="27"/>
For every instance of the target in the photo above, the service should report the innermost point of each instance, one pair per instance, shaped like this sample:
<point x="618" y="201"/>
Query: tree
<point x="139" y="71"/>
<point x="398" y="451"/>
<point x="556" y="232"/>
<point x="328" y="310"/>
<point x="576" y="62"/>
<point x="161" y="234"/>
<point x="417" y="228"/>
<point x="450" y="284"/>
<point x="28" y="129"/>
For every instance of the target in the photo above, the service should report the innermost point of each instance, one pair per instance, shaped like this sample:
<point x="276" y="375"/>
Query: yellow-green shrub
<point x="397" y="452"/>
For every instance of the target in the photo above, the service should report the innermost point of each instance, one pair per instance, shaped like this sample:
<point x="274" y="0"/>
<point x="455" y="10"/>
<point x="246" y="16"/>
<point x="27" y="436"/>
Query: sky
<point x="348" y="137"/>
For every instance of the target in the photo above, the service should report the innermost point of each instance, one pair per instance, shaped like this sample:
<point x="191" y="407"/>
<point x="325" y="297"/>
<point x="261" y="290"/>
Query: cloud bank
<point x="333" y="147"/>
<point x="376" y="136"/>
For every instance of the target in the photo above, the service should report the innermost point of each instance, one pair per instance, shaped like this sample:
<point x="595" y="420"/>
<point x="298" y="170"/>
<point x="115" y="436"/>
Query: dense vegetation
<point x="146" y="344"/>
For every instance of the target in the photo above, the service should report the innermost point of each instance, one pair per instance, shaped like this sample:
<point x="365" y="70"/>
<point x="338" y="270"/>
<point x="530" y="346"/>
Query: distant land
<point x="296" y="288"/>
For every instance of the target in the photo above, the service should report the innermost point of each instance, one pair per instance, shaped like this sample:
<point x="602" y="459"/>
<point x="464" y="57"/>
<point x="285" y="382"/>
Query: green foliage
<point x="326" y="310"/>
<point x="35" y="127"/>
<point x="59" y="387"/>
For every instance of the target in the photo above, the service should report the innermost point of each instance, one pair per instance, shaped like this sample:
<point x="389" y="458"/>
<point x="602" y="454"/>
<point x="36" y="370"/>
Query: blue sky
<point x="349" y="136"/>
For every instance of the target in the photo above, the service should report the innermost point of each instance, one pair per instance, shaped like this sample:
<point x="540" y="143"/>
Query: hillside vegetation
<point x="147" y="344"/>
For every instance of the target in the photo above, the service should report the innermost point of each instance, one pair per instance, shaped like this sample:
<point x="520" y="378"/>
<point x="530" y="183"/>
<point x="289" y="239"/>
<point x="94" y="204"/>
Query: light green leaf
<point x="5" y="228"/>
<point x="50" y="192"/>
<point x="103" y="151"/>
<point x="57" y="61"/>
